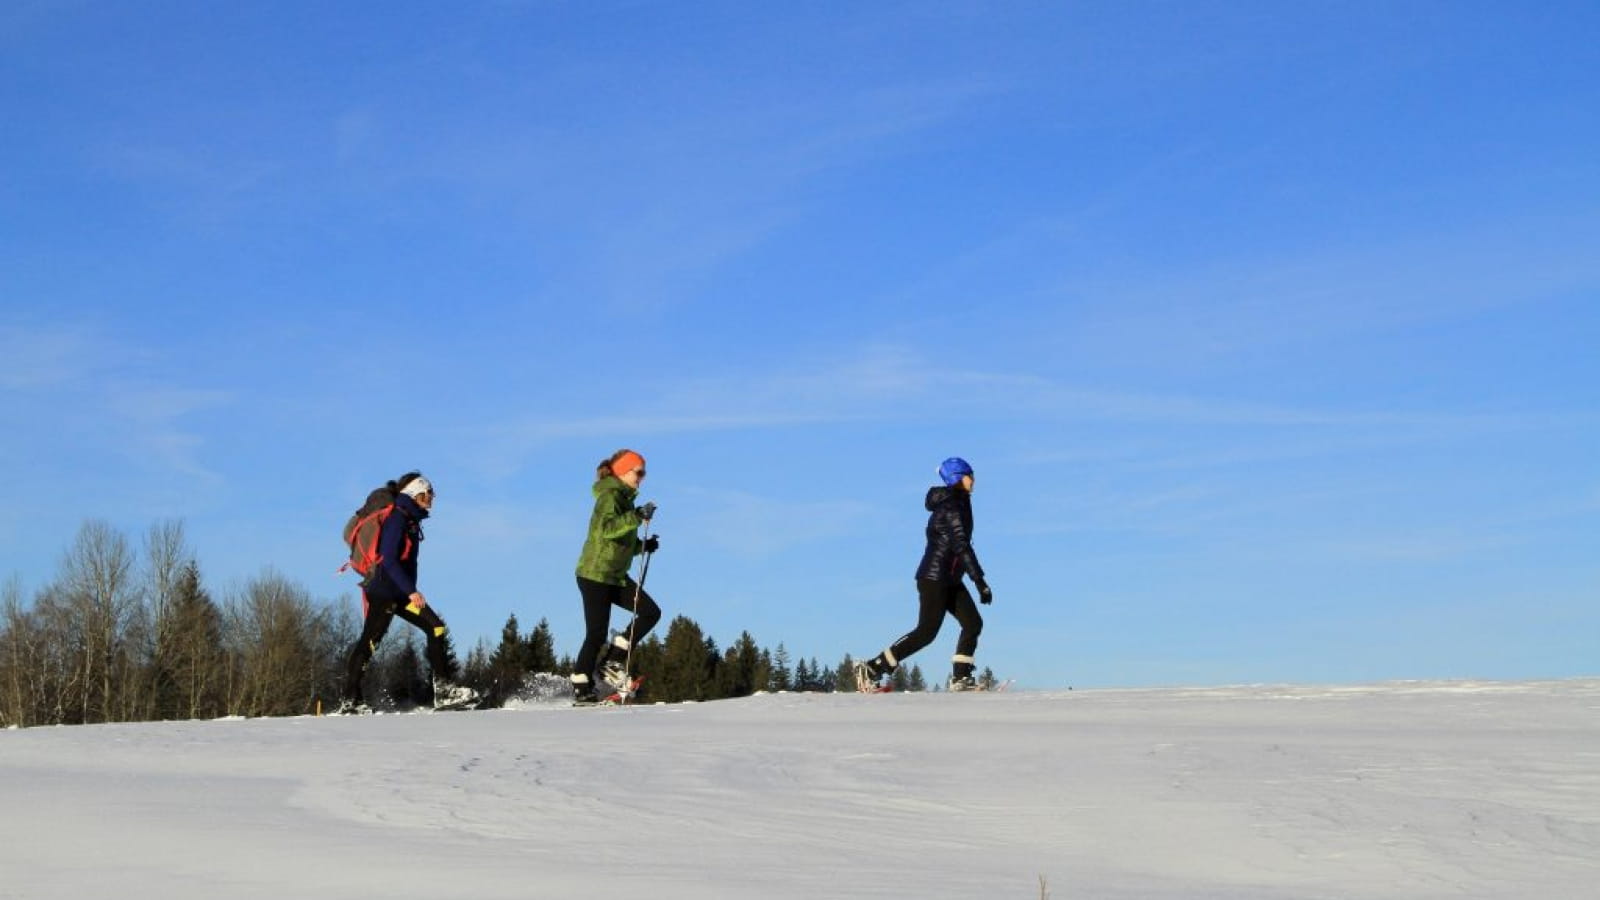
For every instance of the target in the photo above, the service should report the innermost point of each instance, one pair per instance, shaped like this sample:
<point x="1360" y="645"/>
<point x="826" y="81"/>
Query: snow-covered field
<point x="1414" y="790"/>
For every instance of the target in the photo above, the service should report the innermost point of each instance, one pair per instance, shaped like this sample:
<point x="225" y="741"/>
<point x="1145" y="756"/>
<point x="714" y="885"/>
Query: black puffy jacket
<point x="949" y="533"/>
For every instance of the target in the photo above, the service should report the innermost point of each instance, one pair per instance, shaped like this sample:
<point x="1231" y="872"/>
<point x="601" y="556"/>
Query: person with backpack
<point x="603" y="580"/>
<point x="385" y="536"/>
<point x="947" y="557"/>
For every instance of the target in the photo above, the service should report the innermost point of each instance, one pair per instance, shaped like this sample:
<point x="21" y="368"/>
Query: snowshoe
<point x="624" y="694"/>
<point x="351" y="708"/>
<point x="613" y="674"/>
<point x="868" y="680"/>
<point x="448" y="695"/>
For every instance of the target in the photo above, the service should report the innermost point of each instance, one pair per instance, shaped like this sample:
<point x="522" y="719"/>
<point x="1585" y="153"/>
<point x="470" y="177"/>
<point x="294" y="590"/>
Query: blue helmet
<point x="953" y="469"/>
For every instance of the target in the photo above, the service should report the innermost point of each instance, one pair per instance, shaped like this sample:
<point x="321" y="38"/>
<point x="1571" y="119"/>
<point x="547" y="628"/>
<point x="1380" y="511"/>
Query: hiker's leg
<point x="434" y="628"/>
<point x="379" y="615"/>
<point x="645" y="616"/>
<point x="597" y="600"/>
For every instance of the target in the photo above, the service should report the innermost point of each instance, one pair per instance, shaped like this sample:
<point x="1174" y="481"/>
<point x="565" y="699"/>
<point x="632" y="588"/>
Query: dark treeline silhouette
<point x="686" y="664"/>
<point x="130" y="634"/>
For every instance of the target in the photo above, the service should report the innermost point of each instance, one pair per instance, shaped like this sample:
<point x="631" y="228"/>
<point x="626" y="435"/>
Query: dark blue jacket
<point x="398" y="544"/>
<point x="949" y="534"/>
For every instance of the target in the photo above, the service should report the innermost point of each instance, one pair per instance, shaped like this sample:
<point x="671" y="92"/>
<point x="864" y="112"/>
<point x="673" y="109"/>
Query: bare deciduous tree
<point x="97" y="595"/>
<point x="19" y="649"/>
<point x="279" y="648"/>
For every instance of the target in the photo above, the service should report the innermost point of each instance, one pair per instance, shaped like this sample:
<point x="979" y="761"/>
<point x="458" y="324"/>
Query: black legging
<point x="380" y="614"/>
<point x="937" y="598"/>
<point x="597" y="602"/>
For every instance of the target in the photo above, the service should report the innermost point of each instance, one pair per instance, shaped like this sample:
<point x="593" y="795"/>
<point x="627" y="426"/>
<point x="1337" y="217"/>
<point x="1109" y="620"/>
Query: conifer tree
<point x="542" y="648"/>
<point x="826" y="678"/>
<point x="764" y="670"/>
<point x="188" y="654"/>
<point x="475" y="671"/>
<point x="649" y="660"/>
<point x="742" y="673"/>
<point x="508" y="664"/>
<point x="403" y="683"/>
<point x="915" y="681"/>
<point x="452" y="662"/>
<point x="712" y="680"/>
<point x="844" y="675"/>
<point x="779" y="677"/>
<point x="683" y="669"/>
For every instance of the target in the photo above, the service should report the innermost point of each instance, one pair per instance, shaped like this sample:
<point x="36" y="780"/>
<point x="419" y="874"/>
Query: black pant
<point x="380" y="613"/>
<point x="597" y="602"/>
<point x="935" y="599"/>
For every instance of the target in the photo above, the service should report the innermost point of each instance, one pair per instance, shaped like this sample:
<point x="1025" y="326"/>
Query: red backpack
<point x="362" y="530"/>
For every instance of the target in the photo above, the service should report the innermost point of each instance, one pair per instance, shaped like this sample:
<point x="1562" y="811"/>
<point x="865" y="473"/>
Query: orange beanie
<point x="626" y="463"/>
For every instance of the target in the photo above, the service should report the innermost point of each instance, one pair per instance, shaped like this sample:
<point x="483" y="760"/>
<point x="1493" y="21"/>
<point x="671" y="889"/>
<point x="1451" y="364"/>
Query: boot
<point x="583" y="692"/>
<point x="870" y="673"/>
<point x="613" y="669"/>
<point x="961" y="674"/>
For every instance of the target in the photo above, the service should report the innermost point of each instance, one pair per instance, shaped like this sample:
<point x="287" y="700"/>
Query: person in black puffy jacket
<point x="948" y="556"/>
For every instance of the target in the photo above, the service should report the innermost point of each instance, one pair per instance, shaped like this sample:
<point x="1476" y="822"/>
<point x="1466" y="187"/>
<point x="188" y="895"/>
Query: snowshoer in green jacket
<point x="603" y="580"/>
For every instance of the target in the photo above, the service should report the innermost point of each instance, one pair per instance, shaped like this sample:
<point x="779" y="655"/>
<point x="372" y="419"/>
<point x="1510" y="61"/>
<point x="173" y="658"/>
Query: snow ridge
<point x="1393" y="790"/>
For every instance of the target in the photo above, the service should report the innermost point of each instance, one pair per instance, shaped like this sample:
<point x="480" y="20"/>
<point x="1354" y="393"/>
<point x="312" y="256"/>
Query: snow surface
<point x="1396" y="790"/>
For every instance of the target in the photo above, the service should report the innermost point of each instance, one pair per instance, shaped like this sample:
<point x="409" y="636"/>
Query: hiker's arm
<point x="618" y="520"/>
<point x="391" y="542"/>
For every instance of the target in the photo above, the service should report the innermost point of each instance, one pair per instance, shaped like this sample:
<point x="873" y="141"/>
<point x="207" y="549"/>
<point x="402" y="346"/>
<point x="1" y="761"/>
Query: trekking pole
<point x="638" y="590"/>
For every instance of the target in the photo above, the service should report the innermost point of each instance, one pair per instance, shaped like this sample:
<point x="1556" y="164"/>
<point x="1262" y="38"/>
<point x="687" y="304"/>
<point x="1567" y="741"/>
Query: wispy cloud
<point x="748" y="525"/>
<point x="876" y="383"/>
<point x="868" y="380"/>
<point x="1403" y="281"/>
<point x="1435" y="545"/>
<point x="674" y="196"/>
<point x="87" y="393"/>
<point x="888" y="383"/>
<point x="1066" y="401"/>
<point x="848" y="131"/>
<point x="198" y="182"/>
<point x="726" y="181"/>
<point x="34" y="357"/>
<point x="151" y="417"/>
<point x="1150" y="455"/>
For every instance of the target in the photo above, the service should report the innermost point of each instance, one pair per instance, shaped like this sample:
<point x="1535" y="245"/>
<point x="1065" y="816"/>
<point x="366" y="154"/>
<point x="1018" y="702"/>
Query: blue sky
<point x="1269" y="328"/>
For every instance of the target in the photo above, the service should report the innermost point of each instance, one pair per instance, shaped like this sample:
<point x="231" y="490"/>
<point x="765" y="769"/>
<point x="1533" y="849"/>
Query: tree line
<point x="131" y="633"/>
<point x="686" y="664"/>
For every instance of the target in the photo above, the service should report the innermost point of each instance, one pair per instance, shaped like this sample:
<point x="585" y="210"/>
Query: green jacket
<point x="613" y="539"/>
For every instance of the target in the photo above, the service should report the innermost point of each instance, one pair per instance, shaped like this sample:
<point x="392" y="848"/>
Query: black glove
<point x="646" y="512"/>
<point x="651" y="544"/>
<point x="985" y="596"/>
